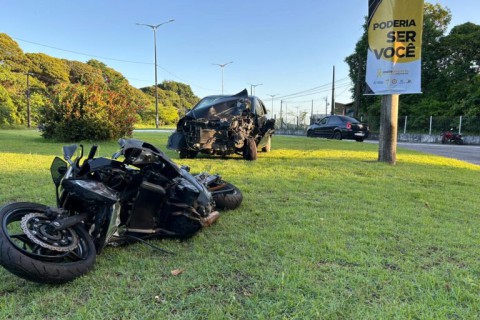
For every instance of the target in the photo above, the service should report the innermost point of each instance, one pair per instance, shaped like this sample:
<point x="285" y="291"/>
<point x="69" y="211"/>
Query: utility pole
<point x="311" y="114"/>
<point x="286" y="115"/>
<point x="298" y="115"/>
<point x="357" y="90"/>
<point x="281" y="116"/>
<point x="333" y="91"/>
<point x="27" y="93"/>
<point x="326" y="106"/>
<point x="387" y="147"/>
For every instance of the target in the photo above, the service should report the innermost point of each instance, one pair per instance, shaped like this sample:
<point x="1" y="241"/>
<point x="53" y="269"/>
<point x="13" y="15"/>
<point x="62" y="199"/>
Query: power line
<point x="299" y="94"/>
<point x="310" y="91"/>
<point x="117" y="60"/>
<point x="315" y="92"/>
<point x="82" y="54"/>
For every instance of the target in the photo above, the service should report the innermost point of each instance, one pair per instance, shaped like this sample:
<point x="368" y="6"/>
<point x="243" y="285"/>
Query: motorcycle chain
<point x="36" y="237"/>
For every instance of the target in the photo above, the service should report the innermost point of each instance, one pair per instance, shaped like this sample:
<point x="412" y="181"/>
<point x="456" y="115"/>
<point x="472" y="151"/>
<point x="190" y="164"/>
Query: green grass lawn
<point x="324" y="231"/>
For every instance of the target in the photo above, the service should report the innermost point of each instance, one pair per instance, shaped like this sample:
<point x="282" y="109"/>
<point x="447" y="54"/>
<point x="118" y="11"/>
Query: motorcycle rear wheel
<point x="228" y="201"/>
<point x="30" y="258"/>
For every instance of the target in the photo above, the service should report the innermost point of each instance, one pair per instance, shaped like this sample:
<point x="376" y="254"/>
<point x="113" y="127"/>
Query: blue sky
<point x="286" y="46"/>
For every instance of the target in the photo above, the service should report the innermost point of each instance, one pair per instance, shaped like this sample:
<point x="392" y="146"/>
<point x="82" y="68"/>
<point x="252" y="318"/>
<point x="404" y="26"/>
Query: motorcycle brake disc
<point x="36" y="227"/>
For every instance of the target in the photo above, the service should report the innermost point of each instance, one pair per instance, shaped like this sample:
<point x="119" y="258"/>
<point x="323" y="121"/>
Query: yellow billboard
<point x="394" y="47"/>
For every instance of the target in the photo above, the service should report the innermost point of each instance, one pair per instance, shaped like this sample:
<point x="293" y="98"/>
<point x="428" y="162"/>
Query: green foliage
<point x="48" y="76"/>
<point x="174" y="100"/>
<point x="12" y="55"/>
<point x="88" y="112"/>
<point x="7" y="109"/>
<point x="51" y="70"/>
<point x="83" y="73"/>
<point x="187" y="99"/>
<point x="112" y="78"/>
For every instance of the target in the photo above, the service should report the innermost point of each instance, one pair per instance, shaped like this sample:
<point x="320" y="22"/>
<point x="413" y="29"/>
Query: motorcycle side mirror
<point x="69" y="151"/>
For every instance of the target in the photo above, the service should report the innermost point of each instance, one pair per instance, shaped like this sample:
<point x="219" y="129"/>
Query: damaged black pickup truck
<point x="223" y="125"/>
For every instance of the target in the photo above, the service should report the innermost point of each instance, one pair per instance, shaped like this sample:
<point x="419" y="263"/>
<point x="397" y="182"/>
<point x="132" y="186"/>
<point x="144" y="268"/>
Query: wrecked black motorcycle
<point x="224" y="125"/>
<point x="136" y="195"/>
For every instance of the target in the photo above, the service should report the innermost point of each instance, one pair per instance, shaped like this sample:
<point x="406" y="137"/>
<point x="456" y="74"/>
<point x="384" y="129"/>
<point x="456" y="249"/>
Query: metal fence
<point x="408" y="124"/>
<point x="432" y="125"/>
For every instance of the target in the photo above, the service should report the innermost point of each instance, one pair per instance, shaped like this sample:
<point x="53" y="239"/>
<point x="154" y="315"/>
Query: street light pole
<point x="222" y="65"/>
<point x="154" y="28"/>
<point x="272" y="95"/>
<point x="252" y="88"/>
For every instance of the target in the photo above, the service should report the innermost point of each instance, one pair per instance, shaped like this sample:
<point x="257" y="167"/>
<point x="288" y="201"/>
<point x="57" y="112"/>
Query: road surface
<point x="466" y="153"/>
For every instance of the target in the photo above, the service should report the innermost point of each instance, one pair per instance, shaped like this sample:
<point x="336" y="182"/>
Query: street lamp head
<point x="154" y="27"/>
<point x="221" y="65"/>
<point x="160" y="24"/>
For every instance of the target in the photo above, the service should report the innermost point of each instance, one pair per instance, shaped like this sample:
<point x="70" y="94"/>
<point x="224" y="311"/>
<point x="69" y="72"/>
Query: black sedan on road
<point x="339" y="127"/>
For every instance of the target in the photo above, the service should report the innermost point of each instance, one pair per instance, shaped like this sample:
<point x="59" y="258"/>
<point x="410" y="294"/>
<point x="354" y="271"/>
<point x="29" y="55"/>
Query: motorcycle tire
<point x="228" y="201"/>
<point x="29" y="259"/>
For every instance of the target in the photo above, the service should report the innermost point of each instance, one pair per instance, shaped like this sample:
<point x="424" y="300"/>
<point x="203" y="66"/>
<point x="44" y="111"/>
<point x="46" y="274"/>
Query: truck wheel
<point x="250" y="150"/>
<point x="268" y="145"/>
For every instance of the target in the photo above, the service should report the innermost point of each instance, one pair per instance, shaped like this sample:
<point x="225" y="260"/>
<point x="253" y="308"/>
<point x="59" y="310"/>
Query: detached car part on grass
<point x="224" y="125"/>
<point x="136" y="195"/>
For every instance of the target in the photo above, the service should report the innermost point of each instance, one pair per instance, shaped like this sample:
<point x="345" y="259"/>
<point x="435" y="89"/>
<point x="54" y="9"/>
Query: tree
<point x="6" y="108"/>
<point x="112" y="78"/>
<point x="184" y="91"/>
<point x="12" y="55"/>
<point x="49" y="77"/>
<point x="51" y="70"/>
<point x="460" y="66"/>
<point x="88" y="112"/>
<point x="367" y="105"/>
<point x="83" y="73"/>
<point x="174" y="98"/>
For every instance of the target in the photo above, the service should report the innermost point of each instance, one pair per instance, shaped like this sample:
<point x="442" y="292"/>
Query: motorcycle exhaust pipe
<point x="210" y="219"/>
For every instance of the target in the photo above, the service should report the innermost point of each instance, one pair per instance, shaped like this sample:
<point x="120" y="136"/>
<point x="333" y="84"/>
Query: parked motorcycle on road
<point x="137" y="194"/>
<point x="449" y="136"/>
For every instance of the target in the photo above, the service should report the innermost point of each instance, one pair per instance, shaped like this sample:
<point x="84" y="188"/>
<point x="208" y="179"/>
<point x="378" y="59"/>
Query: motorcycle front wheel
<point x="31" y="249"/>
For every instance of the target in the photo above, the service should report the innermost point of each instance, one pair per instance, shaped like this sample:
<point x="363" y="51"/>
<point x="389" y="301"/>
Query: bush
<point x="88" y="112"/>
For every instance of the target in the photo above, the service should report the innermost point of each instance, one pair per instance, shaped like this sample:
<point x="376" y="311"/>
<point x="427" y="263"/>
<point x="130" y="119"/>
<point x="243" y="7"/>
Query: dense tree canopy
<point x="450" y="74"/>
<point x="72" y="100"/>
